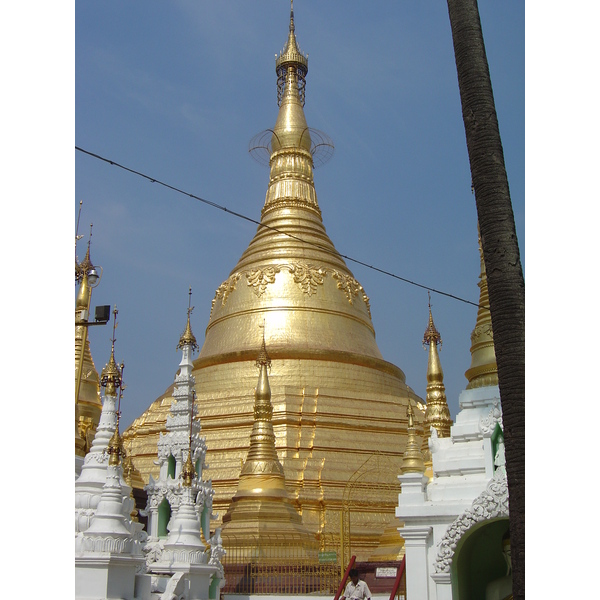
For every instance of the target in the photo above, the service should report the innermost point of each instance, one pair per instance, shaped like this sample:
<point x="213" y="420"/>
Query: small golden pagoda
<point x="88" y="404"/>
<point x="261" y="512"/>
<point x="483" y="370"/>
<point x="437" y="413"/>
<point x="336" y="401"/>
<point x="412" y="460"/>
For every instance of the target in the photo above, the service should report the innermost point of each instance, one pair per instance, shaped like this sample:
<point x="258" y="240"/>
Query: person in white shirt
<point x="356" y="590"/>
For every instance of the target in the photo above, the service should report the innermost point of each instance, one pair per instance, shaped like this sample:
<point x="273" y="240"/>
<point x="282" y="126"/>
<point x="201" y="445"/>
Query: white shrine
<point x="114" y="558"/>
<point x="456" y="516"/>
<point x="109" y="562"/>
<point x="179" y="506"/>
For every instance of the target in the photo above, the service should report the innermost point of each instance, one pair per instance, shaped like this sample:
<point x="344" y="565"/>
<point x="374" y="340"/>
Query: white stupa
<point x="180" y="554"/>
<point x="109" y="562"/>
<point x="90" y="483"/>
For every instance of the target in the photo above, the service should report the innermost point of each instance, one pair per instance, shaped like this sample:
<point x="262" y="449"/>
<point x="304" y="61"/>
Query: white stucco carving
<point x="490" y="504"/>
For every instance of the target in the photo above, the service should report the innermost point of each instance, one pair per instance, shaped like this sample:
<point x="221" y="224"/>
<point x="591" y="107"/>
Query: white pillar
<point x="153" y="523"/>
<point x="417" y="568"/>
<point x="443" y="586"/>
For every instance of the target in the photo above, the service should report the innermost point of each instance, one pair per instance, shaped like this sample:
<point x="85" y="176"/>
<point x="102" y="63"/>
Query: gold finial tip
<point x="263" y="356"/>
<point x="291" y="55"/>
<point x="431" y="335"/>
<point x="188" y="337"/>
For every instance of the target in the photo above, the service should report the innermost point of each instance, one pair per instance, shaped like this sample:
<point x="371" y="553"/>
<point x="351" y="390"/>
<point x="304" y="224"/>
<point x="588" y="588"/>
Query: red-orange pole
<point x="398" y="578"/>
<point x="341" y="588"/>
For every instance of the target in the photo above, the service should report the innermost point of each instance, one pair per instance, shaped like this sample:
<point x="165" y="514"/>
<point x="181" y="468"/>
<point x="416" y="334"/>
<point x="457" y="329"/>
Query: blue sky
<point x="177" y="90"/>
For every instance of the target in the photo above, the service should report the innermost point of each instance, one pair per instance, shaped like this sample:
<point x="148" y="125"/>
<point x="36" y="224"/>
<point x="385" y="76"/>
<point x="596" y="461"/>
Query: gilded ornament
<point x="482" y="330"/>
<point x="225" y="289"/>
<point x="366" y="300"/>
<point x="258" y="279"/>
<point x="308" y="276"/>
<point x="347" y="284"/>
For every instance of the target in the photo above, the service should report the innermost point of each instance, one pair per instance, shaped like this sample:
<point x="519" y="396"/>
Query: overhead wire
<point x="254" y="221"/>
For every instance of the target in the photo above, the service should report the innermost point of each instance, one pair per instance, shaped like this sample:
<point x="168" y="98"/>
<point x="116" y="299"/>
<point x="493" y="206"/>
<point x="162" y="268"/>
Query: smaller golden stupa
<point x="412" y="460"/>
<point x="261" y="512"/>
<point x="437" y="413"/>
<point x="483" y="370"/>
<point x="88" y="404"/>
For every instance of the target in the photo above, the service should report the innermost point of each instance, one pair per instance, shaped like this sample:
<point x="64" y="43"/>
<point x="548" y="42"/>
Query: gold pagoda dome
<point x="335" y="400"/>
<point x="291" y="275"/>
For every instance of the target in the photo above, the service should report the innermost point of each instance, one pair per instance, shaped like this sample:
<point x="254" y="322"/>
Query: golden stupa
<point x="437" y="413"/>
<point x="336" y="401"/>
<point x="88" y="404"/>
<point x="261" y="512"/>
<point x="483" y="370"/>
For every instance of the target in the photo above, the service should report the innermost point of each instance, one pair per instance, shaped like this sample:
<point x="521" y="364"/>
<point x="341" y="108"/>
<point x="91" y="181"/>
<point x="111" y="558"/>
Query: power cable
<point x="251" y="220"/>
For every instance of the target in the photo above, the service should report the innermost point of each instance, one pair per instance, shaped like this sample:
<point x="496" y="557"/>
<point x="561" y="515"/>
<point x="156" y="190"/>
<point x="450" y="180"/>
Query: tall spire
<point x="291" y="66"/>
<point x="483" y="370"/>
<point x="436" y="414"/>
<point x="88" y="404"/>
<point x="291" y="157"/>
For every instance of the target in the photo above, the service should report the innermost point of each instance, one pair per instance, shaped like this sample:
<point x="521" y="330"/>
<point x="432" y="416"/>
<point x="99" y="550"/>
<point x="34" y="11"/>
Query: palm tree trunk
<point x="501" y="255"/>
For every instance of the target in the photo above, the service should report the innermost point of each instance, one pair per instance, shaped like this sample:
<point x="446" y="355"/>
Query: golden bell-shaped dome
<point x="335" y="401"/>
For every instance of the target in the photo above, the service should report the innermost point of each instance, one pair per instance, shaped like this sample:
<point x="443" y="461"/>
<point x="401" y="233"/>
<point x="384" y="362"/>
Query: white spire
<point x="179" y="508"/>
<point x="89" y="485"/>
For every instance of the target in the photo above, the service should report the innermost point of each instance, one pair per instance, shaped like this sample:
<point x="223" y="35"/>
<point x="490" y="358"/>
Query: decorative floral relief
<point x="225" y="289"/>
<point x="488" y="424"/>
<point x="490" y="504"/>
<point x="481" y="330"/>
<point x="351" y="288"/>
<point x="366" y="300"/>
<point x="308" y="276"/>
<point x="347" y="284"/>
<point x="260" y="278"/>
<point x="217" y="552"/>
